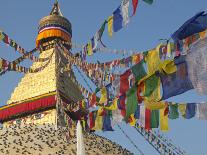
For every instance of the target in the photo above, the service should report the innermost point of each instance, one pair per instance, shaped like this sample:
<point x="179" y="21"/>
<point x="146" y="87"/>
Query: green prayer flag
<point x="173" y="112"/>
<point x="131" y="104"/>
<point x="154" y="119"/>
<point x="101" y="30"/>
<point x="148" y="1"/>
<point x="139" y="71"/>
<point x="150" y="85"/>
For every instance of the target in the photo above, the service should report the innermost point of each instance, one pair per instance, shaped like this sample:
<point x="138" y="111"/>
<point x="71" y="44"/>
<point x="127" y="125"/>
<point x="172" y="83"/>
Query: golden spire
<point x="56" y="9"/>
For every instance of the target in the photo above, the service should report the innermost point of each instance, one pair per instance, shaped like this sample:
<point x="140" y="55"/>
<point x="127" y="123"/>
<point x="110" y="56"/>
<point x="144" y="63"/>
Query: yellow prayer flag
<point x="153" y="60"/>
<point x="182" y="108"/>
<point x="168" y="66"/>
<point x="153" y="105"/>
<point x="113" y="106"/>
<point x="1" y="64"/>
<point x="203" y="34"/>
<point x="99" y="119"/>
<point x="110" y="26"/>
<point x="1" y="36"/>
<point x="103" y="98"/>
<point x="163" y="121"/>
<point x="89" y="48"/>
<point x="132" y="120"/>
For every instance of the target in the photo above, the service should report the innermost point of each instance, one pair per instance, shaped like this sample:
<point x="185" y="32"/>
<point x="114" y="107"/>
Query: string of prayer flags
<point x="8" y="41"/>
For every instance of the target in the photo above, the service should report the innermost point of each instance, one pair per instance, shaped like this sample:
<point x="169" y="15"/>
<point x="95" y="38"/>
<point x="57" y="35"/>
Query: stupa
<point x="34" y="108"/>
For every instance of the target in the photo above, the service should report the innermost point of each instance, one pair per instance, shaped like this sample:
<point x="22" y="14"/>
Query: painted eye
<point x="38" y="116"/>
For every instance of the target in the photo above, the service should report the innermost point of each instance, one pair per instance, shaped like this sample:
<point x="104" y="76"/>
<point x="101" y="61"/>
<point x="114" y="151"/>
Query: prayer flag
<point x="176" y="83"/>
<point x="92" y="118"/>
<point x="153" y="61"/>
<point x="163" y="120"/>
<point x="1" y="36"/>
<point x="154" y="122"/>
<point x="147" y="119"/>
<point x="132" y="120"/>
<point x="137" y="112"/>
<point x="197" y="23"/>
<point x="110" y="26"/>
<point x="131" y="104"/>
<point x="89" y="48"/>
<point x="142" y="116"/>
<point x="125" y="11"/>
<point x="134" y="3"/>
<point x="202" y="111"/>
<point x="190" y="110"/>
<point x="124" y="86"/>
<point x="182" y="109"/>
<point x="139" y="71"/>
<point x="99" y="119"/>
<point x="150" y="85"/>
<point x="101" y="30"/>
<point x="173" y="113"/>
<point x="103" y="99"/>
<point x="117" y="19"/>
<point x="196" y="60"/>
<point x="107" y="122"/>
<point x="113" y="106"/>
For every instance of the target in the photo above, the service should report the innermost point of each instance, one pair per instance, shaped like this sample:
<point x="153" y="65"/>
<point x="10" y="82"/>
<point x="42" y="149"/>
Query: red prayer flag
<point x="135" y="3"/>
<point x="92" y="120"/>
<point x="124" y="87"/>
<point x="147" y="119"/>
<point x="93" y="100"/>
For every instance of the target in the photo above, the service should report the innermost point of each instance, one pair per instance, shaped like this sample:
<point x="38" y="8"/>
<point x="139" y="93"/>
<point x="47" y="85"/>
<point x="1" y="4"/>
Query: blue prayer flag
<point x="196" y="24"/>
<point x="107" y="122"/>
<point x="178" y="82"/>
<point x="190" y="110"/>
<point x="117" y="19"/>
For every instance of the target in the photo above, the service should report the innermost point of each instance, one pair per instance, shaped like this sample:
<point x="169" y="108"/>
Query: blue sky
<point x="19" y="19"/>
